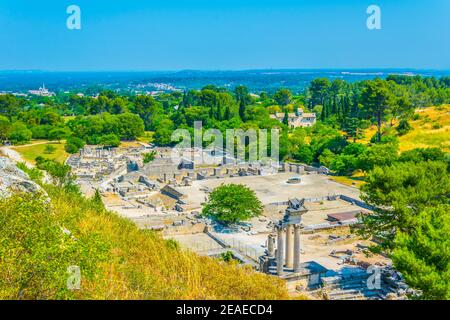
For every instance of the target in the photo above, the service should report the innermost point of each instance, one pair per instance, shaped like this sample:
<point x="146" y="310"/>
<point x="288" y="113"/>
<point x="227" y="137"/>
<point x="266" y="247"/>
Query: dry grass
<point x="145" y="266"/>
<point x="353" y="181"/>
<point x="129" y="144"/>
<point x="431" y="130"/>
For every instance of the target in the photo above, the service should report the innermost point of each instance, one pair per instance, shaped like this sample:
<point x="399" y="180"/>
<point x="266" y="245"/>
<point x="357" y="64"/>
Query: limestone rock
<point x="13" y="179"/>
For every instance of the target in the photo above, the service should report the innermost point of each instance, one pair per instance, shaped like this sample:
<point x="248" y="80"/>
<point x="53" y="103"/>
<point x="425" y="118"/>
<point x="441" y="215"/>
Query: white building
<point x="298" y="119"/>
<point x="43" y="92"/>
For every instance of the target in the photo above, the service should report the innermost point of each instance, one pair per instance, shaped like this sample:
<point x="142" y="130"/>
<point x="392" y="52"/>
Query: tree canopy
<point x="232" y="203"/>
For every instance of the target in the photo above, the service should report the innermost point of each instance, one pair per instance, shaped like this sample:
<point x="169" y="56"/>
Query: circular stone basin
<point x="295" y="180"/>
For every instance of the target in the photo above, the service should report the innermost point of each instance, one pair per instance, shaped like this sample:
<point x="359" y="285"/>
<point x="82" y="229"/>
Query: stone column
<point x="271" y="245"/>
<point x="280" y="250"/>
<point x="290" y="246"/>
<point x="297" y="248"/>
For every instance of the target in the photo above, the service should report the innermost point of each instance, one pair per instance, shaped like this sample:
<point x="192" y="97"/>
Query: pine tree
<point x="227" y="113"/>
<point x="286" y="117"/>
<point x="97" y="200"/>
<point x="242" y="110"/>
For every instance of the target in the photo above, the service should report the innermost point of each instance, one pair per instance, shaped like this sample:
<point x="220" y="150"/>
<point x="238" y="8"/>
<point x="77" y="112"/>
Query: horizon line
<point x="225" y="70"/>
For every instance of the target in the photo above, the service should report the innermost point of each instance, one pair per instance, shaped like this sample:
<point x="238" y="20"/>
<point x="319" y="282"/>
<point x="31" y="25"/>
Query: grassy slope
<point x="424" y="135"/>
<point x="431" y="130"/>
<point x="142" y="265"/>
<point x="30" y="152"/>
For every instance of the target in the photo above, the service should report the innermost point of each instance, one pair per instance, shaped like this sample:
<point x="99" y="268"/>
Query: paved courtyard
<point x="273" y="188"/>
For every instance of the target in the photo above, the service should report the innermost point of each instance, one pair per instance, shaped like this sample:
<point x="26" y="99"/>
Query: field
<point x="430" y="130"/>
<point x="30" y="151"/>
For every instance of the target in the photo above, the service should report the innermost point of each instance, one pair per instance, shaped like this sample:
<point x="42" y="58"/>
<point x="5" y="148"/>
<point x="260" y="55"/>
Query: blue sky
<point x="229" y="34"/>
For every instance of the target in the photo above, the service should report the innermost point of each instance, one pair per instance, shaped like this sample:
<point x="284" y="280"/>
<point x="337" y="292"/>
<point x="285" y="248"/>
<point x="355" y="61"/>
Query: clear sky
<point x="228" y="34"/>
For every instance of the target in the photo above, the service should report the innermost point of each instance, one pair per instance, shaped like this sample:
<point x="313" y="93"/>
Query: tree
<point x="423" y="154"/>
<point x="422" y="255"/>
<point x="326" y="158"/>
<point x="286" y="117"/>
<point x="318" y="109"/>
<point x="354" y="149"/>
<point x="163" y="133"/>
<point x="352" y="128"/>
<point x="242" y="95"/>
<point x="283" y="97"/>
<point x="345" y="164"/>
<point x="49" y="149"/>
<point x="242" y="110"/>
<point x="19" y="133"/>
<point x="51" y="118"/>
<point x="60" y="173"/>
<point x="71" y="148"/>
<point x="318" y="90"/>
<point x="378" y="155"/>
<point x="232" y="203"/>
<point x="399" y="193"/>
<point x="402" y="108"/>
<point x="109" y="140"/>
<point x="130" y="125"/>
<point x="403" y="127"/>
<point x="147" y="108"/>
<point x="227" y="114"/>
<point x="97" y="200"/>
<point x="59" y="133"/>
<point x="5" y="125"/>
<point x="377" y="98"/>
<point x="304" y="154"/>
<point x="149" y="157"/>
<point x="74" y="144"/>
<point x="10" y="105"/>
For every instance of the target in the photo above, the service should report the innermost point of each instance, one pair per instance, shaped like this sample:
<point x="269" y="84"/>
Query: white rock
<point x="13" y="179"/>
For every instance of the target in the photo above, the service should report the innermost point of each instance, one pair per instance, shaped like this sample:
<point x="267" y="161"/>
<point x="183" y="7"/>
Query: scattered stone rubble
<point x="364" y="284"/>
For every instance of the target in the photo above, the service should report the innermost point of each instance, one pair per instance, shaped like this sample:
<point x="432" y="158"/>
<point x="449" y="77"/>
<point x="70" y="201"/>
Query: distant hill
<point x="257" y="80"/>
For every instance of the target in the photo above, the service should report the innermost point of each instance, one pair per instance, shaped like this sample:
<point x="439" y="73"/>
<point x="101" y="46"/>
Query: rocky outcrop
<point x="12" y="179"/>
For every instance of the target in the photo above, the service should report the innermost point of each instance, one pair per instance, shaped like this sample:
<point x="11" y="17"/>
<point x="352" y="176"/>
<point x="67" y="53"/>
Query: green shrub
<point x="149" y="157"/>
<point x="37" y="251"/>
<point x="436" y="126"/>
<point x="49" y="149"/>
<point x="404" y="127"/>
